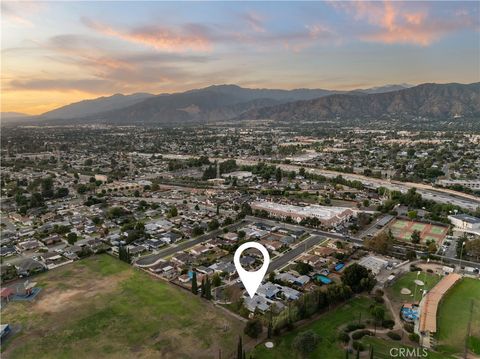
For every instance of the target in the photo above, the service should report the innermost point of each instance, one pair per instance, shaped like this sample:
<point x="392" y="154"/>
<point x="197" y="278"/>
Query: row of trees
<point x="205" y="287"/>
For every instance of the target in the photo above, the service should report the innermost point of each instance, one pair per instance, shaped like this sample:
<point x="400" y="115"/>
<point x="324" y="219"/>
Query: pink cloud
<point x="399" y="22"/>
<point x="189" y="38"/>
<point x="255" y="21"/>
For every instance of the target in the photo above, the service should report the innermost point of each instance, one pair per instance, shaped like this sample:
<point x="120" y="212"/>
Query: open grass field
<point x="402" y="231"/>
<point x="101" y="307"/>
<point x="453" y="316"/>
<point x="407" y="281"/>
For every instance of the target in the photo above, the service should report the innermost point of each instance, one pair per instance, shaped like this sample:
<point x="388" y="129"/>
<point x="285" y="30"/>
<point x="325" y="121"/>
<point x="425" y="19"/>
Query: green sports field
<point x="101" y="307"/>
<point x="453" y="317"/>
<point x="407" y="281"/>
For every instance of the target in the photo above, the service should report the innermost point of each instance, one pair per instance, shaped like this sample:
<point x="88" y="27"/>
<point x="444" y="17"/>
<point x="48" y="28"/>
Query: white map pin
<point x="251" y="280"/>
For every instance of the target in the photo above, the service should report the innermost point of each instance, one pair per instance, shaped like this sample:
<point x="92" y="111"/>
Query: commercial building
<point x="465" y="222"/>
<point x="472" y="184"/>
<point x="328" y="216"/>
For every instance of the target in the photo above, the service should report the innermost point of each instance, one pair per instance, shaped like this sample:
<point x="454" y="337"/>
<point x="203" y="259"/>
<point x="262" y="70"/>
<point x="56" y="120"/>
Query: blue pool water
<point x="323" y="279"/>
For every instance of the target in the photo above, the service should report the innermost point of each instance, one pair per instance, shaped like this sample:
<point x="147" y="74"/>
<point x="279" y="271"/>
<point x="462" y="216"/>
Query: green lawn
<point x="453" y="317"/>
<point x="407" y="281"/>
<point x="326" y="327"/>
<point x="382" y="349"/>
<point x="101" y="307"/>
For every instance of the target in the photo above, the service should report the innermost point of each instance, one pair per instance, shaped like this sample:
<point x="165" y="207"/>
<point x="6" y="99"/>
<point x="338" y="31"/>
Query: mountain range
<point x="427" y="100"/>
<point x="234" y="103"/>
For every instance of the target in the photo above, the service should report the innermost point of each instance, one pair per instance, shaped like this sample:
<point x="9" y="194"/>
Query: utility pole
<point x="461" y="254"/>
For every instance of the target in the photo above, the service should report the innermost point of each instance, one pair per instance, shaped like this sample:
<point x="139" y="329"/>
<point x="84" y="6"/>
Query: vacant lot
<point x="101" y="307"/>
<point x="454" y="315"/>
<point x="402" y="231"/>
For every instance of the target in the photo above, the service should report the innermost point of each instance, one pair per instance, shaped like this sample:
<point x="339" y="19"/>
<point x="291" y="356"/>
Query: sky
<point x="56" y="53"/>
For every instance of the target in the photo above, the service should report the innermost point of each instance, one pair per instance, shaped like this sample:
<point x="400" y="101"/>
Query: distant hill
<point x="13" y="117"/>
<point x="386" y="88"/>
<point x="428" y="100"/>
<point x="214" y="103"/>
<point x="90" y="107"/>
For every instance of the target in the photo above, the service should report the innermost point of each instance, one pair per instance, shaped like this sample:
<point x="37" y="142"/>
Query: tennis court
<point x="402" y="230"/>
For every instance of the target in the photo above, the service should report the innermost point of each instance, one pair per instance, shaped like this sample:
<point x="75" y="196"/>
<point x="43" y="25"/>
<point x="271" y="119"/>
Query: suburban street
<point x="150" y="260"/>
<point x="302" y="247"/>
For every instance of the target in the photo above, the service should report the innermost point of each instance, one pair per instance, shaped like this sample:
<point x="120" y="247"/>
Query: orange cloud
<point x="397" y="23"/>
<point x="157" y="37"/>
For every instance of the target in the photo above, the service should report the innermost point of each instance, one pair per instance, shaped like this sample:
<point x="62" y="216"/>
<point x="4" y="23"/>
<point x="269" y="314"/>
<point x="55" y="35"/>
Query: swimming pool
<point x="323" y="279"/>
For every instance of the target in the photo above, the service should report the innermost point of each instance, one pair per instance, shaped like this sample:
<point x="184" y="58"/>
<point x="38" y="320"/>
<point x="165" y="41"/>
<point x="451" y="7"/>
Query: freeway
<point x="428" y="192"/>
<point x="460" y="199"/>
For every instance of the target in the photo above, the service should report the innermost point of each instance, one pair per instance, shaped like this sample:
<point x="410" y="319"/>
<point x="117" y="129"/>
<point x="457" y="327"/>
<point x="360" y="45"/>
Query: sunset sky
<point x="55" y="53"/>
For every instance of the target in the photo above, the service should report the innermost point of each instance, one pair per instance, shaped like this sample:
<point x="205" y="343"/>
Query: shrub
<point x="408" y="327"/>
<point x="343" y="337"/>
<point x="388" y="323"/>
<point x="379" y="300"/>
<point x="253" y="328"/>
<point x="414" y="337"/>
<point x="289" y="326"/>
<point x="358" y="346"/>
<point x="360" y="334"/>
<point x="354" y="326"/>
<point x="394" y="336"/>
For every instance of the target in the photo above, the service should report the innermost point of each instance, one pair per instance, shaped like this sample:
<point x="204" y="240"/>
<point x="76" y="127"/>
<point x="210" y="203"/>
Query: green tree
<point x="415" y="237"/>
<point x="306" y="342"/>
<point x="239" y="348"/>
<point x="62" y="192"/>
<point x="303" y="268"/>
<point x="216" y="280"/>
<point x="278" y="174"/>
<point x="81" y="189"/>
<point x="72" y="238"/>
<point x="213" y="224"/>
<point x="208" y="289"/>
<point x="172" y="212"/>
<point x="473" y="248"/>
<point x="378" y="313"/>
<point x="36" y="200"/>
<point x="197" y="231"/>
<point x="47" y="187"/>
<point x="412" y="214"/>
<point x="381" y="243"/>
<point x="202" y="287"/>
<point x="253" y="328"/>
<point x="411" y="255"/>
<point x="358" y="278"/>
<point x="194" y="283"/>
